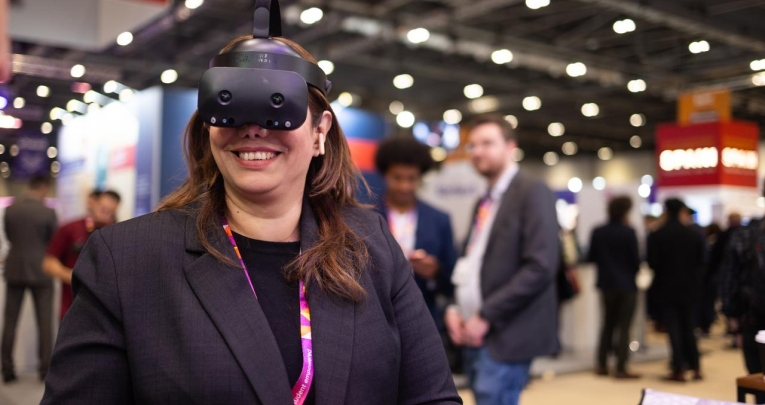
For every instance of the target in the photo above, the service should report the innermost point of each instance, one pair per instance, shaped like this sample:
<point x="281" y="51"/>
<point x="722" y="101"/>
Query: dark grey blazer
<point x="29" y="226"/>
<point x="518" y="273"/>
<point x="158" y="320"/>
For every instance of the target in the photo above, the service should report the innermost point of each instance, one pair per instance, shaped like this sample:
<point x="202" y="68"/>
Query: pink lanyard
<point x="303" y="384"/>
<point x="481" y="217"/>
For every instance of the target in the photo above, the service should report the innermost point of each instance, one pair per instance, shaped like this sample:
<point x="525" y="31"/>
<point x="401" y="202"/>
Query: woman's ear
<point x="325" y="125"/>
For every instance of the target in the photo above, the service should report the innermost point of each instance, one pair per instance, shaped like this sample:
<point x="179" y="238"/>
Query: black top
<point x="676" y="253"/>
<point x="279" y="299"/>
<point x="614" y="250"/>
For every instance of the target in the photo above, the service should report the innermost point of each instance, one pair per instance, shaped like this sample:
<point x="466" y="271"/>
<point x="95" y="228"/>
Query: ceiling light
<point x="403" y="81"/>
<point x="46" y="128"/>
<point x="624" y="26"/>
<point x="125" y="39"/>
<point x="532" y="103"/>
<point x="396" y="107"/>
<point x="576" y="69"/>
<point x="537" y="4"/>
<point x="93" y="108"/>
<point x="502" y="56"/>
<point x="327" y="66"/>
<point x="599" y="183"/>
<point x="513" y="120"/>
<point x="636" y="86"/>
<point x="56" y="113"/>
<point x="43" y="91"/>
<point x="518" y="154"/>
<point x="111" y="86"/>
<point x="570" y="149"/>
<point x="644" y="190"/>
<point x="76" y="105"/>
<point x="699" y="47"/>
<point x="10" y="122"/>
<point x="14" y="152"/>
<point x="418" y="35"/>
<point x="647" y="179"/>
<point x="605" y="153"/>
<point x="452" y="117"/>
<point x="759" y="79"/>
<point x="757" y="65"/>
<point x="556" y="129"/>
<point x="637" y="120"/>
<point x="473" y="91"/>
<point x="311" y="15"/>
<point x="19" y="103"/>
<point x="3" y="103"/>
<point x="484" y="105"/>
<point x="169" y="76"/>
<point x="575" y="185"/>
<point x="126" y="95"/>
<point x="77" y="71"/>
<point x="52" y="152"/>
<point x="90" y="96"/>
<point x="590" y="110"/>
<point x="405" y="119"/>
<point x="551" y="158"/>
<point x="194" y="4"/>
<point x="55" y="167"/>
<point x="438" y="154"/>
<point x="636" y="142"/>
<point x="345" y="99"/>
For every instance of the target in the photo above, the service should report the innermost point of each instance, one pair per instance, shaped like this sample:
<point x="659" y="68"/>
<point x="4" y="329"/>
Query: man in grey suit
<point x="29" y="225"/>
<point x="505" y="312"/>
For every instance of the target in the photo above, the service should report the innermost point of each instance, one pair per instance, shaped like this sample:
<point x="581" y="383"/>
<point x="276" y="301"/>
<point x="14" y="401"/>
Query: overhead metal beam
<point x="682" y="23"/>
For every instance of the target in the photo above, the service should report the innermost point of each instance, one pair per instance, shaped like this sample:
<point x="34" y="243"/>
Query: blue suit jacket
<point x="434" y="236"/>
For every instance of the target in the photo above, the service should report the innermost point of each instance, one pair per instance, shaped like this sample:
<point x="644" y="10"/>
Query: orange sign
<point x="701" y="107"/>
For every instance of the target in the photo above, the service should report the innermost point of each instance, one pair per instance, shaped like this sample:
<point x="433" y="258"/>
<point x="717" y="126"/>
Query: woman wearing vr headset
<point x="260" y="280"/>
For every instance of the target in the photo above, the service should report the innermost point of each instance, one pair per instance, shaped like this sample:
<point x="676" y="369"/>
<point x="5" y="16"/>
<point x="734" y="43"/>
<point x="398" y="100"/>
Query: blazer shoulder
<point x="145" y="228"/>
<point x="365" y="221"/>
<point x="430" y="210"/>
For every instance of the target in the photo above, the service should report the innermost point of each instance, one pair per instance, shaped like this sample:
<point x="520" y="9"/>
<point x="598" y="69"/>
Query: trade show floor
<point x="721" y="367"/>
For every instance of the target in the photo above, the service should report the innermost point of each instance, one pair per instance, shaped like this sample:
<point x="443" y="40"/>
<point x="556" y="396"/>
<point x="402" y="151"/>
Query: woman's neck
<point x="270" y="220"/>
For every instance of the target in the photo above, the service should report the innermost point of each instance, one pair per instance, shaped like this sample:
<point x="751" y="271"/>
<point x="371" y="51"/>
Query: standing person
<point x="506" y="305"/>
<point x="676" y="253"/>
<point x="614" y="250"/>
<point x="423" y="232"/>
<point x="29" y="225"/>
<point x="260" y="280"/>
<point x="742" y="284"/>
<point x="67" y="243"/>
<point x="713" y="278"/>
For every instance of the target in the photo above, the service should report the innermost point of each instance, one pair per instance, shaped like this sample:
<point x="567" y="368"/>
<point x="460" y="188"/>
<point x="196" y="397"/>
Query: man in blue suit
<point x="424" y="233"/>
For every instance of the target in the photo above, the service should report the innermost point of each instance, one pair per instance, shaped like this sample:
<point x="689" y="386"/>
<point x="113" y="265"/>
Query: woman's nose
<point x="253" y="131"/>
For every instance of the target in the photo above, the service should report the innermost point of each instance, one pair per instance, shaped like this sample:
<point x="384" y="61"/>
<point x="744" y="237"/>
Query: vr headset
<point x="259" y="81"/>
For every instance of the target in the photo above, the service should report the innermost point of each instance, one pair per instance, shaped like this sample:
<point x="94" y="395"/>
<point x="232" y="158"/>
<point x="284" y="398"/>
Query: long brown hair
<point x="334" y="263"/>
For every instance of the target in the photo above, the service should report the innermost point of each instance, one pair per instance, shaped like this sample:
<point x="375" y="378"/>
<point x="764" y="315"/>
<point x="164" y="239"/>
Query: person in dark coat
<point x="676" y="253"/>
<point x="614" y="250"/>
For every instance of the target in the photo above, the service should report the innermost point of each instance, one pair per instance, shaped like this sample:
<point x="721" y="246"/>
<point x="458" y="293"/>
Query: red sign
<point x="708" y="154"/>
<point x="122" y="158"/>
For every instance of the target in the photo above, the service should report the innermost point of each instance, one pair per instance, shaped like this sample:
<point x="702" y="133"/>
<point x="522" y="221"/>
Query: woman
<point x="171" y="309"/>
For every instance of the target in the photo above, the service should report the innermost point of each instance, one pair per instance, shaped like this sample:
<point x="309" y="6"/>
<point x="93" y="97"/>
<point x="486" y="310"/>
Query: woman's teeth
<point x="257" y="155"/>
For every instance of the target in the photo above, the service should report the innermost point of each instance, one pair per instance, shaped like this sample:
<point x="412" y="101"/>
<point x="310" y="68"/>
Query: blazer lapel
<point x="228" y="300"/>
<point x="332" y="329"/>
<point x="508" y="206"/>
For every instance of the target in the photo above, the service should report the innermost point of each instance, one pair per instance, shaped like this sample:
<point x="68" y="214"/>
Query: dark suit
<point x="29" y="226"/>
<point x="614" y="250"/>
<point x="158" y="320"/>
<point x="676" y="253"/>
<point x="434" y="236"/>
<point x="518" y="273"/>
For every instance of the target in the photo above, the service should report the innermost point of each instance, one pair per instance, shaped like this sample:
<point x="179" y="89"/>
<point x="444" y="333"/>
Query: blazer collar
<point x="228" y="301"/>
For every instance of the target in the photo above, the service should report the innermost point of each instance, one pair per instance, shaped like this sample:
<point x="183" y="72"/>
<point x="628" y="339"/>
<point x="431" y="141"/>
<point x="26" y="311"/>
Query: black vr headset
<point x="260" y="80"/>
